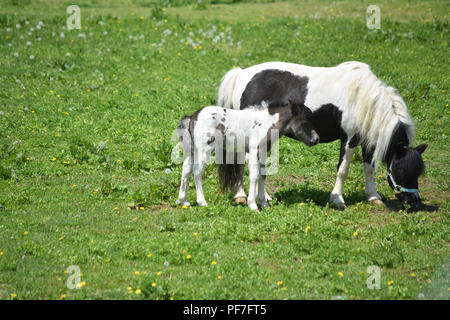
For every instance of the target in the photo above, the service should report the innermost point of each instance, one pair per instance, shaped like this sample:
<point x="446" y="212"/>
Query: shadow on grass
<point x="395" y="205"/>
<point x="308" y="193"/>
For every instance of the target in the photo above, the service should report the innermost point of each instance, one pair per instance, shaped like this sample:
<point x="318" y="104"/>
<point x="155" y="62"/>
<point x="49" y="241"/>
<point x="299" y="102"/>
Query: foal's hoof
<point x="339" y="206"/>
<point x="378" y="203"/>
<point x="241" y="200"/>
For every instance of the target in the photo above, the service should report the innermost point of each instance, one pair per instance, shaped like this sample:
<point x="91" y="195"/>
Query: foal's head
<point x="403" y="173"/>
<point x="301" y="125"/>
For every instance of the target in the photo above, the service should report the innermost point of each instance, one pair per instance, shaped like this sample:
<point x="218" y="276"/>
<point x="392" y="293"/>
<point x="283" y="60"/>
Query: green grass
<point x="85" y="138"/>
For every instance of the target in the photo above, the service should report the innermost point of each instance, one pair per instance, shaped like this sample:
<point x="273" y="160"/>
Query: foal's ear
<point x="421" y="148"/>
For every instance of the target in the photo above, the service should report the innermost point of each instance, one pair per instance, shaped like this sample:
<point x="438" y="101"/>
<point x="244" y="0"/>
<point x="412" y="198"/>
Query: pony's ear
<point x="421" y="148"/>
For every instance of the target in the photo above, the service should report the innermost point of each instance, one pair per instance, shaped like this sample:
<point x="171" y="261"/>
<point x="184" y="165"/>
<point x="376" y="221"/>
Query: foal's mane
<point x="377" y="108"/>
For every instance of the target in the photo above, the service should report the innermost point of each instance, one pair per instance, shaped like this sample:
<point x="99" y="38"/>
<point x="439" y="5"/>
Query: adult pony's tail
<point x="227" y="87"/>
<point x="229" y="173"/>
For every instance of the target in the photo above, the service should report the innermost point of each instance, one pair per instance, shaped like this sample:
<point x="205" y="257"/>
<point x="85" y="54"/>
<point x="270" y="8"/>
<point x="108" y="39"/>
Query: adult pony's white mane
<point x="377" y="108"/>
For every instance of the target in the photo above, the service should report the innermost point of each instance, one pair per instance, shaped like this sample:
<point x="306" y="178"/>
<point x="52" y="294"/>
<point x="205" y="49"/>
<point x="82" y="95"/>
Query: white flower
<point x="61" y="35"/>
<point x="28" y="43"/>
<point x="31" y="57"/>
<point x="68" y="54"/>
<point x="167" y="171"/>
<point x="105" y="33"/>
<point x="16" y="54"/>
<point x="8" y="29"/>
<point x="18" y="26"/>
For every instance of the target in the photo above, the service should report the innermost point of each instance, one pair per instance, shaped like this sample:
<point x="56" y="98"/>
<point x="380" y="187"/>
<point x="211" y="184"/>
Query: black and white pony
<point x="348" y="102"/>
<point x="252" y="130"/>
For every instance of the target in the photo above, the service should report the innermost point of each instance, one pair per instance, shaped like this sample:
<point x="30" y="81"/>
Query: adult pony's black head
<point x="403" y="173"/>
<point x="301" y="126"/>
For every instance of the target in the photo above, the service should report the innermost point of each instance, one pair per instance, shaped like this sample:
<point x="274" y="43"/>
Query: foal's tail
<point x="185" y="136"/>
<point x="227" y="87"/>
<point x="229" y="174"/>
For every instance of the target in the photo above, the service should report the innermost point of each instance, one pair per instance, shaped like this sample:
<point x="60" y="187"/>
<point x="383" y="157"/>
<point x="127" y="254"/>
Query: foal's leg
<point x="254" y="174"/>
<point x="369" y="171"/>
<point x="187" y="169"/>
<point x="200" y="162"/>
<point x="262" y="199"/>
<point x="239" y="194"/>
<point x="336" y="198"/>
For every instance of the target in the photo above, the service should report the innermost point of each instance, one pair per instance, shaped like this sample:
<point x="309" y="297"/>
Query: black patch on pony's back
<point x="276" y="87"/>
<point x="327" y="123"/>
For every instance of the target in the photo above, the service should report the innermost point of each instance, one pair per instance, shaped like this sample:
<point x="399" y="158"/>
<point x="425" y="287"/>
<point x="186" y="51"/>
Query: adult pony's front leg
<point x="369" y="171"/>
<point x="336" y="197"/>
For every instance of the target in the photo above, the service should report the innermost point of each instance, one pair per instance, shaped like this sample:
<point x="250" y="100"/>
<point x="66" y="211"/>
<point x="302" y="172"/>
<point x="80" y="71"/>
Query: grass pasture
<point x="86" y="177"/>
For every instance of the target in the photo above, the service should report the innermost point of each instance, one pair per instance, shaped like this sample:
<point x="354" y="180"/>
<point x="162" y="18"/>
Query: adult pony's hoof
<point x="339" y="206"/>
<point x="378" y="203"/>
<point x="241" y="200"/>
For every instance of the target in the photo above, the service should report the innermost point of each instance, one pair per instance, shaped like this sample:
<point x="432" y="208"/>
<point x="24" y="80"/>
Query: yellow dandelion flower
<point x="412" y="274"/>
<point x="214" y="263"/>
<point x="116" y="208"/>
<point x="355" y="234"/>
<point x="1" y="253"/>
<point x="307" y="228"/>
<point x="188" y="256"/>
<point x="184" y="207"/>
<point x="242" y="258"/>
<point x="195" y="234"/>
<point x="283" y="288"/>
<point x="25" y="233"/>
<point x="137" y="273"/>
<point x="138" y="291"/>
<point x="13" y="295"/>
<point x="149" y="255"/>
<point x="63" y="296"/>
<point x="219" y="277"/>
<point x="158" y="273"/>
<point x="390" y="282"/>
<point x="340" y="274"/>
<point x="279" y="283"/>
<point x="60" y="238"/>
<point x="154" y="284"/>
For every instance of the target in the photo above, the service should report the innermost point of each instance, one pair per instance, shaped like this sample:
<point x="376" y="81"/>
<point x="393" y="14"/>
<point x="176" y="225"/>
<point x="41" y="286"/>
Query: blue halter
<point x="398" y="188"/>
